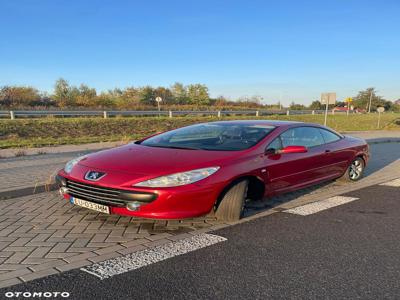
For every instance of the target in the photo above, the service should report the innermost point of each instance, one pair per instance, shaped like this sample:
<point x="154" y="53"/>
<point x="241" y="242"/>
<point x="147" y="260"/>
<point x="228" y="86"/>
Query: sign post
<point x="158" y="100"/>
<point x="348" y="101"/>
<point x="370" y="101"/>
<point x="327" y="99"/>
<point x="380" y="110"/>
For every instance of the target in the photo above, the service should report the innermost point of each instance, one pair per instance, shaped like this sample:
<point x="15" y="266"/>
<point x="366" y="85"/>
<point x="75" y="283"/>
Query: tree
<point x="63" y="93"/>
<point x="130" y="97"/>
<point x="85" y="96"/>
<point x="316" y="105"/>
<point x="165" y="94"/>
<point x="179" y="92"/>
<point x="198" y="94"/>
<point x="363" y="98"/>
<point x="253" y="101"/>
<point x="147" y="96"/>
<point x="19" y="95"/>
<point x="396" y="105"/>
<point x="294" y="106"/>
<point x="221" y="101"/>
<point x="106" y="100"/>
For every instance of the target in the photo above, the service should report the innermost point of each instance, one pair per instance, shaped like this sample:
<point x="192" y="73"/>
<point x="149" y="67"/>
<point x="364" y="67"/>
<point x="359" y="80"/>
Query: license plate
<point x="91" y="205"/>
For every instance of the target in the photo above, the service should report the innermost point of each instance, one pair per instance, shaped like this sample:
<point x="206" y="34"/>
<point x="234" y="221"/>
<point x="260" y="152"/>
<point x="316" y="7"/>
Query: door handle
<point x="327" y="151"/>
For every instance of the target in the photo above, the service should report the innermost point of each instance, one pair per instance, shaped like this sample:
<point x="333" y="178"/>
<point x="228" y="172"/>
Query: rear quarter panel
<point x="345" y="150"/>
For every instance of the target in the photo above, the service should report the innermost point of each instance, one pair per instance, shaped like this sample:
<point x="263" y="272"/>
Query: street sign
<point x="348" y="100"/>
<point x="328" y="98"/>
<point x="380" y="110"/>
<point x="158" y="100"/>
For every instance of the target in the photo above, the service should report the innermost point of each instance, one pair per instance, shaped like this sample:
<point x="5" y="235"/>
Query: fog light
<point x="63" y="190"/>
<point x="133" y="205"/>
<point x="61" y="180"/>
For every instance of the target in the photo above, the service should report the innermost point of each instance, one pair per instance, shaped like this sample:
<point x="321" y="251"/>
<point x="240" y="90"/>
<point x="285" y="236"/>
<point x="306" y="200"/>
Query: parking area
<point x="345" y="250"/>
<point x="42" y="234"/>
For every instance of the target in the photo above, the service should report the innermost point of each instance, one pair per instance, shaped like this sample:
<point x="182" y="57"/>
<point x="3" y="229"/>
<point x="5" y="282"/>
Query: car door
<point x="293" y="170"/>
<point x="338" y="154"/>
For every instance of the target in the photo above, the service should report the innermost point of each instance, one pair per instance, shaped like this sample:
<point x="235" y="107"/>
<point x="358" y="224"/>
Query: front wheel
<point x="355" y="170"/>
<point x="232" y="204"/>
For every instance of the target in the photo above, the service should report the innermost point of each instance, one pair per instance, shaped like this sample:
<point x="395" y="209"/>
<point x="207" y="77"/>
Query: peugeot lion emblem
<point x="94" y="175"/>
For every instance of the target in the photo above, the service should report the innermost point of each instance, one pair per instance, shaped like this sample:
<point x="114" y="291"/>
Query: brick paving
<point x="44" y="234"/>
<point x="30" y="172"/>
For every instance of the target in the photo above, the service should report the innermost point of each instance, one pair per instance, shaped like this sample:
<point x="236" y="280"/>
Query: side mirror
<point x="271" y="151"/>
<point x="293" y="149"/>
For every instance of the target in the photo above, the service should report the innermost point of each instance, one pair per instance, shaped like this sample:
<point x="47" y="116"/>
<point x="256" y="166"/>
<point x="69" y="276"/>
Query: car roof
<point x="275" y="123"/>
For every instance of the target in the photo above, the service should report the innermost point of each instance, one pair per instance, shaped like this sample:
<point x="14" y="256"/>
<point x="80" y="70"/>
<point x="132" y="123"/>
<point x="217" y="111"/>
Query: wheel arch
<point x="363" y="156"/>
<point x="256" y="188"/>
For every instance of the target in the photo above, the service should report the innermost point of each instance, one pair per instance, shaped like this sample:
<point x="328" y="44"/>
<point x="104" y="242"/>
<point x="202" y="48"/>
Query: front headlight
<point x="69" y="165"/>
<point x="178" y="179"/>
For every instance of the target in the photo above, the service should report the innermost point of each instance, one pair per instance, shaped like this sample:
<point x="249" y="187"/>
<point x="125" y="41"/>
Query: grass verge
<point x="55" y="131"/>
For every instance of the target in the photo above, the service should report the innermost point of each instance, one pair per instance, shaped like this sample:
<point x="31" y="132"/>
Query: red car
<point x="193" y="170"/>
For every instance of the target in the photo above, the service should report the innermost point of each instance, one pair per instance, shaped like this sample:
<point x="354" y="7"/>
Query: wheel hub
<point x="356" y="169"/>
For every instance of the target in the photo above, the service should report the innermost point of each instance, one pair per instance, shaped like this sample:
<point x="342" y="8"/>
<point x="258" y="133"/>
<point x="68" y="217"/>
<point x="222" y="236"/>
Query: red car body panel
<point x="127" y="165"/>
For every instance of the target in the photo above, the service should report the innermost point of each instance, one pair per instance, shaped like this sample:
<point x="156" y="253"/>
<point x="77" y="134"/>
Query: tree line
<point x="70" y="96"/>
<point x="178" y="96"/>
<point x="362" y="101"/>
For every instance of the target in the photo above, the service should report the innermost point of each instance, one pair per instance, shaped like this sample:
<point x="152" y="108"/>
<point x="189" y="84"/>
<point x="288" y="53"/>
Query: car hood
<point x="138" y="159"/>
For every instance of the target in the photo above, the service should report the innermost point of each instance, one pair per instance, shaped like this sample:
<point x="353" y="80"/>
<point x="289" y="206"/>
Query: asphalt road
<point x="346" y="252"/>
<point x="381" y="156"/>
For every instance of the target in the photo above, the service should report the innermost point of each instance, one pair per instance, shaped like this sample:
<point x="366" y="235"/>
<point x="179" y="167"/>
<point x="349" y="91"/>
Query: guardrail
<point x="169" y="113"/>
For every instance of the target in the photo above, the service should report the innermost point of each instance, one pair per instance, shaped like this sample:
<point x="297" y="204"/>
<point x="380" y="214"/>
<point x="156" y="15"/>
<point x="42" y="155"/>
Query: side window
<point x="275" y="144"/>
<point x="288" y="138"/>
<point x="302" y="136"/>
<point x="328" y="136"/>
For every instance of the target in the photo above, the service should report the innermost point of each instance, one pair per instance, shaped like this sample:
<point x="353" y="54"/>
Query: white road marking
<point x="394" y="183"/>
<point x="136" y="260"/>
<point x="315" y="207"/>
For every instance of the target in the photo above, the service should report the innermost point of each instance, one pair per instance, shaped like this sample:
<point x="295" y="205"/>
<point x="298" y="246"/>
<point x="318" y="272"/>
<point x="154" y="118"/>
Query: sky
<point x="279" y="50"/>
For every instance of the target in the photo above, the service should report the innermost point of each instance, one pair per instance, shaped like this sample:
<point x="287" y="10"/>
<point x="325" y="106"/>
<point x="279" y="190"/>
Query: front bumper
<point x="164" y="203"/>
<point x="103" y="195"/>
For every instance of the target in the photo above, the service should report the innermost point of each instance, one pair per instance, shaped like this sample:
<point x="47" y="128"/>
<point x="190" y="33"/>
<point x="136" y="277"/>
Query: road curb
<point x="383" y="140"/>
<point x="27" y="191"/>
<point x="59" y="149"/>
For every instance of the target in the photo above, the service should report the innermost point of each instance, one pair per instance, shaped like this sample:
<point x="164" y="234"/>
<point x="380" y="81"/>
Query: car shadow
<point x="254" y="207"/>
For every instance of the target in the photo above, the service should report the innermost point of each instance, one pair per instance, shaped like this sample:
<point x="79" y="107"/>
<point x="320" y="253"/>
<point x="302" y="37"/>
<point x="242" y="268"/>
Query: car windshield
<point x="218" y="137"/>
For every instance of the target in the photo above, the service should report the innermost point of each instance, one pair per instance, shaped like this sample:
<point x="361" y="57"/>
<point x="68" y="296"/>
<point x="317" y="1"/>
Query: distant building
<point x="340" y="108"/>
